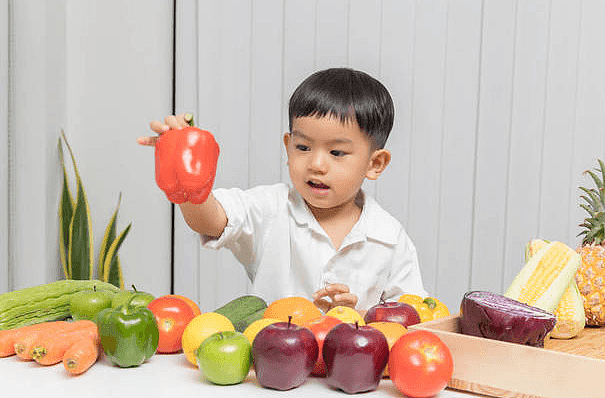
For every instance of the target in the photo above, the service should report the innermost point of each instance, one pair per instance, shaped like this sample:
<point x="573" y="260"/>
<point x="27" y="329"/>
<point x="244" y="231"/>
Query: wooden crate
<point x="573" y="368"/>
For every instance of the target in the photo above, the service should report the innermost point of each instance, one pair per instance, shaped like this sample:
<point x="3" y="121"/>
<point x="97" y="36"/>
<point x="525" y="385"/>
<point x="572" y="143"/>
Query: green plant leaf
<point x="66" y="210"/>
<point x="108" y="238"/>
<point x="112" y="267"/>
<point x="80" y="252"/>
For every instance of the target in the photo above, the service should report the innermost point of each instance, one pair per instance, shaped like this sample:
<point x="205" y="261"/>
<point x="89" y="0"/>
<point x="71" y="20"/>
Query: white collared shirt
<point x="285" y="252"/>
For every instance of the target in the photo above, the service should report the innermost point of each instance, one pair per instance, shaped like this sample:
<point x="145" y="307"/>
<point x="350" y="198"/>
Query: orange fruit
<point x="192" y="304"/>
<point x="201" y="327"/>
<point x="346" y="314"/>
<point x="392" y="331"/>
<point x="299" y="308"/>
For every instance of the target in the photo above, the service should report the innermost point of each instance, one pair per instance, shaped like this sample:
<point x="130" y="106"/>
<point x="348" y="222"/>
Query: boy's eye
<point x="302" y="147"/>
<point x="338" y="153"/>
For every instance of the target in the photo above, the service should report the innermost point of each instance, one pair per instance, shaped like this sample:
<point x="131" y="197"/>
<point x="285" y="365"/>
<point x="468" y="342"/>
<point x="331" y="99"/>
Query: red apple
<point x="320" y="327"/>
<point x="284" y="355"/>
<point x="392" y="311"/>
<point x="355" y="357"/>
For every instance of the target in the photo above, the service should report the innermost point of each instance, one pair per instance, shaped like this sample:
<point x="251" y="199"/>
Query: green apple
<point x="87" y="303"/>
<point x="141" y="299"/>
<point x="225" y="357"/>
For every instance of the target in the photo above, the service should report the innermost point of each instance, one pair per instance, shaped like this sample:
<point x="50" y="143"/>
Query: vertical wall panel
<point x="458" y="150"/>
<point x="4" y="152"/>
<point x="589" y="130"/>
<point x="426" y="134"/>
<point x="266" y="98"/>
<point x="527" y="130"/>
<point x="493" y="137"/>
<point x="332" y="34"/>
<point x="559" y="120"/>
<point x="396" y="60"/>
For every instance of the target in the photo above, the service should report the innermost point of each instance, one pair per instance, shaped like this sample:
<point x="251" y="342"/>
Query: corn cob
<point x="545" y="277"/>
<point x="570" y="311"/>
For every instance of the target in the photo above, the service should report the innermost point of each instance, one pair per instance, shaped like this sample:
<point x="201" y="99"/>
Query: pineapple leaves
<point x="79" y="255"/>
<point x="76" y="233"/>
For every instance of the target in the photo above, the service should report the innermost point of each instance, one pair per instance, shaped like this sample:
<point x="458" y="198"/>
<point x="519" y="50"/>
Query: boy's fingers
<point x="346" y="299"/>
<point x="320" y="293"/>
<point x="334" y="288"/>
<point x="183" y="122"/>
<point x="147" y="141"/>
<point x="173" y="122"/>
<point x="323" y="305"/>
<point x="158" y="127"/>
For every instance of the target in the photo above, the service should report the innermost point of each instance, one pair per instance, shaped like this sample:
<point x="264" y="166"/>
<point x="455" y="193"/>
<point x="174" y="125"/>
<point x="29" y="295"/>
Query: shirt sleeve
<point x="249" y="213"/>
<point x="405" y="274"/>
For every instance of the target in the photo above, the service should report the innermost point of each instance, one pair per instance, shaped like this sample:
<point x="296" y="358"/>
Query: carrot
<point x="51" y="350"/>
<point x="81" y="355"/>
<point x="9" y="337"/>
<point x="26" y="341"/>
<point x="27" y="336"/>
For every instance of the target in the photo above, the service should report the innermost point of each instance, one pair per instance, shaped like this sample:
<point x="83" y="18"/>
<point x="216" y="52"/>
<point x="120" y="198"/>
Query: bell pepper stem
<point x="189" y="118"/>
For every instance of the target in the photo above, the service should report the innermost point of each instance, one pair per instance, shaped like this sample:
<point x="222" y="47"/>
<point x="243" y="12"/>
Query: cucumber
<point x="43" y="303"/>
<point x="240" y="308"/>
<point x="244" y="323"/>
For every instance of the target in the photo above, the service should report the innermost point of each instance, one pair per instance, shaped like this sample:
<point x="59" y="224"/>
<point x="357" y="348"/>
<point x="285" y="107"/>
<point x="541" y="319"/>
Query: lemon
<point x="201" y="327"/>
<point x="256" y="326"/>
<point x="346" y="314"/>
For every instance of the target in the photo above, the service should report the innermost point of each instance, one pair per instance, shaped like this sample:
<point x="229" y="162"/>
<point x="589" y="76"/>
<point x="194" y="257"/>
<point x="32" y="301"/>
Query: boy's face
<point x="328" y="160"/>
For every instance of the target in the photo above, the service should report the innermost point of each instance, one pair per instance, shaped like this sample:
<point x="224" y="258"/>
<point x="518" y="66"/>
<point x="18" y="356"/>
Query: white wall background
<point x="100" y="71"/>
<point x="500" y="107"/>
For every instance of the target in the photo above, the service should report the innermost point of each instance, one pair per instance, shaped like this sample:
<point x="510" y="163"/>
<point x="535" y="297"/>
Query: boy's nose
<point x="318" y="163"/>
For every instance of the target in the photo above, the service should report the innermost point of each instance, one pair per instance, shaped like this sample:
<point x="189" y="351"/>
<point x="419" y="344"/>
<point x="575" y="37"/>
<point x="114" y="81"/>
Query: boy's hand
<point x="337" y="293"/>
<point x="171" y="122"/>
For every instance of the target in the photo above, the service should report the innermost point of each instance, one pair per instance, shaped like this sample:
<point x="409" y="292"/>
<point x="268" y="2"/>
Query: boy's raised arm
<point x="208" y="218"/>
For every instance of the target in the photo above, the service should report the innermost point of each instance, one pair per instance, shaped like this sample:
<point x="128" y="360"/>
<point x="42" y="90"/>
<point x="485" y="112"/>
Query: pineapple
<point x="591" y="274"/>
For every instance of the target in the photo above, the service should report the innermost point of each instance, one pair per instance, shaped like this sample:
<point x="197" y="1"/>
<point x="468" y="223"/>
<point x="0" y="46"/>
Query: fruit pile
<point x="285" y="342"/>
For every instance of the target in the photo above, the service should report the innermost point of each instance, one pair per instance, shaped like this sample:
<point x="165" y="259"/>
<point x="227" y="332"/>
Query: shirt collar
<point x="374" y="222"/>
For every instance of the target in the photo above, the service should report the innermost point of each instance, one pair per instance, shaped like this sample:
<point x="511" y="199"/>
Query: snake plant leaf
<point x="112" y="267"/>
<point x="66" y="210"/>
<point x="80" y="252"/>
<point x="108" y="238"/>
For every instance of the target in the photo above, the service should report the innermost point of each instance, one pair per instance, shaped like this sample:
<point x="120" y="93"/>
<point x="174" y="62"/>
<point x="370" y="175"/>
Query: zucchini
<point x="43" y="303"/>
<point x="240" y="308"/>
<point x="241" y="325"/>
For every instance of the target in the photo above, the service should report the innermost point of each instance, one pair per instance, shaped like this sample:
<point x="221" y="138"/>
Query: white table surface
<point x="162" y="375"/>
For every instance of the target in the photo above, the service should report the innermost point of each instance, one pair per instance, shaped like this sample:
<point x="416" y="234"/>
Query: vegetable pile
<point x="76" y="344"/>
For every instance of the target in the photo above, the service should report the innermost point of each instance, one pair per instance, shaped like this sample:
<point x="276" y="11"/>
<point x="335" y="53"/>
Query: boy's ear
<point x="379" y="161"/>
<point x="287" y="138"/>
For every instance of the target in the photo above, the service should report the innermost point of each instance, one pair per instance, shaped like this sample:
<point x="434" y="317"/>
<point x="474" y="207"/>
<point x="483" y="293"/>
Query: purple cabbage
<point x="494" y="316"/>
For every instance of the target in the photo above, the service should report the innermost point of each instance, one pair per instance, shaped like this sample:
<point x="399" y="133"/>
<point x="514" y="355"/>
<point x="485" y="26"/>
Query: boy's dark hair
<point x="350" y="95"/>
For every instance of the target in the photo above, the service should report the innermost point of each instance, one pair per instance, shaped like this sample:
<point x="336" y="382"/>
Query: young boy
<point x="321" y="238"/>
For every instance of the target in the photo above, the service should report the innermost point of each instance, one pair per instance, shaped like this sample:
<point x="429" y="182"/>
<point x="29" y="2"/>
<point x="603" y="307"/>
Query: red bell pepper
<point x="185" y="164"/>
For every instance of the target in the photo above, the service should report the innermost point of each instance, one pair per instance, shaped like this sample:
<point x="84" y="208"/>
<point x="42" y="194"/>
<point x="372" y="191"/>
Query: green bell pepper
<point x="129" y="334"/>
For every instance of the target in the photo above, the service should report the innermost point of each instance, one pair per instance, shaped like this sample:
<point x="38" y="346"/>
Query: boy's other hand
<point x="172" y="122"/>
<point x="332" y="295"/>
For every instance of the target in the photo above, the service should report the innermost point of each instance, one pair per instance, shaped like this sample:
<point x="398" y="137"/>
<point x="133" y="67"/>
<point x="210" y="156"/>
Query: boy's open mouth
<point x="317" y="185"/>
